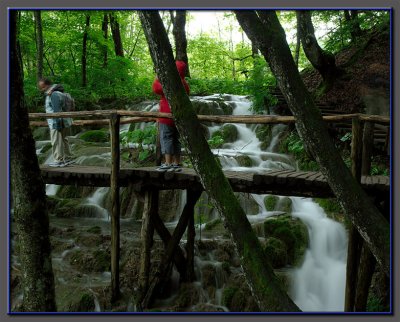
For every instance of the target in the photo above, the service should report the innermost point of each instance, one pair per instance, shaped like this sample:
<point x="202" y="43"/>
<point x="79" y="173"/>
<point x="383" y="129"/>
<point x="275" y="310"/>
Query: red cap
<point x="181" y="66"/>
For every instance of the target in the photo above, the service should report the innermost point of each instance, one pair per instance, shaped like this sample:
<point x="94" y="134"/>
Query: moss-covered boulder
<point x="270" y="202"/>
<point x="276" y="252"/>
<point x="188" y="296"/>
<point x="41" y="133"/>
<point x="237" y="296"/>
<point x="84" y="304"/>
<point x="228" y="132"/>
<point x="88" y="262"/>
<point x="285" y="205"/>
<point x="207" y="107"/>
<point x="292" y="232"/>
<point x="95" y="136"/>
<point x="264" y="134"/>
<point x="244" y="160"/>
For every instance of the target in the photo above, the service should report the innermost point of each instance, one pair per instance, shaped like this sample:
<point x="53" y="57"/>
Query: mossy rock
<point x="264" y="134"/>
<point x="292" y="232"/>
<point x="331" y="207"/>
<point x="70" y="192"/>
<point x="85" y="304"/>
<point x="207" y="108"/>
<point x="226" y="108"/>
<point x="276" y="252"/>
<point x="62" y="207"/>
<point x="94" y="230"/>
<point x="228" y="132"/>
<point x="89" y="240"/>
<point x="87" y="262"/>
<point x="95" y="136"/>
<point x="228" y="294"/>
<point x="285" y="205"/>
<point x="41" y="133"/>
<point x="244" y="160"/>
<point x="270" y="202"/>
<point x="188" y="296"/>
<point x="237" y="296"/>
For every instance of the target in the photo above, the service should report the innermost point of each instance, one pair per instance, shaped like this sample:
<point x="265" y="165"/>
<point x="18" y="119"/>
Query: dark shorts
<point x="169" y="139"/>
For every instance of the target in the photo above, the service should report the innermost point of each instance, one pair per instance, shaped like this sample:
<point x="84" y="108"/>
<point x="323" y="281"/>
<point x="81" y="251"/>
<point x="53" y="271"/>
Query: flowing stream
<point x="318" y="284"/>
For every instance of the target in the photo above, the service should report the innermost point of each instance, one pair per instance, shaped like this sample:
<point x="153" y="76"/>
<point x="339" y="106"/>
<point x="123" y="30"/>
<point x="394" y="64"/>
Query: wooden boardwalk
<point x="281" y="182"/>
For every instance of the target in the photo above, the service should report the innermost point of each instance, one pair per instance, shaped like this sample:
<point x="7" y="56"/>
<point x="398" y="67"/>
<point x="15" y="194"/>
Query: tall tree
<point x="178" y="30"/>
<point x="264" y="29"/>
<point x="351" y="17"/>
<point x="84" y="50"/>
<point x="116" y="34"/>
<point x="39" y="43"/>
<point x="104" y="28"/>
<point x="321" y="60"/>
<point x="29" y="198"/>
<point x="260" y="275"/>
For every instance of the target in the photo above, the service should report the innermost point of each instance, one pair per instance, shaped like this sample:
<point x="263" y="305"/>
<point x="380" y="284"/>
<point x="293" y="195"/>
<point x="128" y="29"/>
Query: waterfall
<point x="319" y="284"/>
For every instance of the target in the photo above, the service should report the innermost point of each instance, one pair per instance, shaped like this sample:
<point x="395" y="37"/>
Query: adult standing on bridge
<point x="54" y="101"/>
<point x="169" y="136"/>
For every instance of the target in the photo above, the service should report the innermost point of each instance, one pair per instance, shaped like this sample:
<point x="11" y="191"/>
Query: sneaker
<point x="57" y="164"/>
<point x="176" y="167"/>
<point x="69" y="161"/>
<point x="164" y="167"/>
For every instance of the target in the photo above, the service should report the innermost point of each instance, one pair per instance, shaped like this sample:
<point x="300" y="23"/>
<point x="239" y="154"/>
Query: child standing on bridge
<point x="169" y="136"/>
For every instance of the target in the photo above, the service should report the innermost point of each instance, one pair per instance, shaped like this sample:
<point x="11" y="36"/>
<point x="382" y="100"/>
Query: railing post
<point x="368" y="145"/>
<point x="191" y="234"/>
<point x="355" y="240"/>
<point x="115" y="202"/>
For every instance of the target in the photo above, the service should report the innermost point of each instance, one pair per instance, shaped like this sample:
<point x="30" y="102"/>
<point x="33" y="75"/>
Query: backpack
<point x="69" y="103"/>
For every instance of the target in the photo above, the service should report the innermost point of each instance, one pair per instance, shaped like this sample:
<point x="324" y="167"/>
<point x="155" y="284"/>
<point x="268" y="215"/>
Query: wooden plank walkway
<point x="281" y="182"/>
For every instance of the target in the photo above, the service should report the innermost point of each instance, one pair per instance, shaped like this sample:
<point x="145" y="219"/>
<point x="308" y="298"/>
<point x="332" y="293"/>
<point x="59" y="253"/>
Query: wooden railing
<point x="116" y="117"/>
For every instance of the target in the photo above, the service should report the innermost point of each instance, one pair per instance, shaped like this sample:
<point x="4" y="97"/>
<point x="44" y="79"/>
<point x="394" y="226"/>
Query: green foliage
<point x="95" y="136"/>
<point x="270" y="202"/>
<point x="276" y="252"/>
<point x="216" y="142"/>
<point x="147" y="136"/>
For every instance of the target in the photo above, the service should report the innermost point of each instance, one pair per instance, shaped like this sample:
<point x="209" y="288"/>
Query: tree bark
<point x="321" y="60"/>
<point x="29" y="197"/>
<point x="178" y="30"/>
<point x="365" y="272"/>
<point x="104" y="28"/>
<point x="264" y="284"/>
<point x="297" y="51"/>
<point x="39" y="43"/>
<point x="351" y="17"/>
<point x="116" y="34"/>
<point x="84" y="51"/>
<point x="270" y="38"/>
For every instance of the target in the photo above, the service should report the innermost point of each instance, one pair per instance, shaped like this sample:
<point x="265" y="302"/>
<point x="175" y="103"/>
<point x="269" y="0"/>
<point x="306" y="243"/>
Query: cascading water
<point x="318" y="285"/>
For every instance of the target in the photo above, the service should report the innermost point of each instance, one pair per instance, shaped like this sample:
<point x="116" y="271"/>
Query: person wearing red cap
<point x="169" y="136"/>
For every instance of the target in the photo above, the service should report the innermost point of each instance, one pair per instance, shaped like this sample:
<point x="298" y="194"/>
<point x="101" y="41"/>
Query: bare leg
<point x="168" y="158"/>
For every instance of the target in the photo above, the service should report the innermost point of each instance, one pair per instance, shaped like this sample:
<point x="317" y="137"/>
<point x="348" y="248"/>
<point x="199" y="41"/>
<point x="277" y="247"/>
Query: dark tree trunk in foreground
<point x="104" y="27"/>
<point x="39" y="43"/>
<point x="321" y="60"/>
<point x="297" y="51"/>
<point x="263" y="282"/>
<point x="179" y="21"/>
<point x="119" y="51"/>
<point x="29" y="198"/>
<point x="270" y="38"/>
<point x="84" y="51"/>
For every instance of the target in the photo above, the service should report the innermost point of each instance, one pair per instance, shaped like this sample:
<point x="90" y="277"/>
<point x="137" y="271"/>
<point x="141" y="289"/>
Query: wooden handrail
<point x="139" y="116"/>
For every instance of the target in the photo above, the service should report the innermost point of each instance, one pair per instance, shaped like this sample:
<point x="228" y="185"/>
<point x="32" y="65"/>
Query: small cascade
<point x="96" y="201"/>
<point x="51" y="189"/>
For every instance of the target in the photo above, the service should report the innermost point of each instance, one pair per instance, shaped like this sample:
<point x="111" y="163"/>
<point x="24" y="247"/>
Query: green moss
<point x="331" y="207"/>
<point x="276" y="252"/>
<point x="94" y="230"/>
<point x="228" y="294"/>
<point x="285" y="205"/>
<point x="263" y="133"/>
<point x="270" y="202"/>
<point x="212" y="224"/>
<point x="228" y="132"/>
<point x="244" y="160"/>
<point x="95" y="136"/>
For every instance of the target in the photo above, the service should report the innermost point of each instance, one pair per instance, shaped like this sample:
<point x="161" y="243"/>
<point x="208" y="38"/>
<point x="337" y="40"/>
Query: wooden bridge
<point x="147" y="182"/>
<point x="279" y="182"/>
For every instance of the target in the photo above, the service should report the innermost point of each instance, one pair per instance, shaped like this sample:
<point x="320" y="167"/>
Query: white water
<point x="319" y="284"/>
<point x="97" y="200"/>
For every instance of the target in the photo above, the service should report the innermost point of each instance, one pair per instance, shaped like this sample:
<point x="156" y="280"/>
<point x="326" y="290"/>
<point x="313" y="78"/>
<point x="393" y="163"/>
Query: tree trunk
<point x="39" y="43"/>
<point x="260" y="275"/>
<point x="365" y="273"/>
<point x="321" y="60"/>
<point x="270" y="38"/>
<point x="84" y="51"/>
<point x="116" y="35"/>
<point x="104" y="27"/>
<point x="29" y="197"/>
<point x="297" y="51"/>
<point x="351" y="17"/>
<point x="179" y="21"/>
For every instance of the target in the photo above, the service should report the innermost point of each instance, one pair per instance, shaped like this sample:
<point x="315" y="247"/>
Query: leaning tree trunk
<point x="351" y="17"/>
<point x="104" y="28"/>
<point x="321" y="60"/>
<point x="270" y="38"/>
<point x="297" y="50"/>
<point x="84" y="51"/>
<point x="29" y="198"/>
<point x="39" y="43"/>
<point x="263" y="282"/>
<point x="179" y="21"/>
<point x="116" y="34"/>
